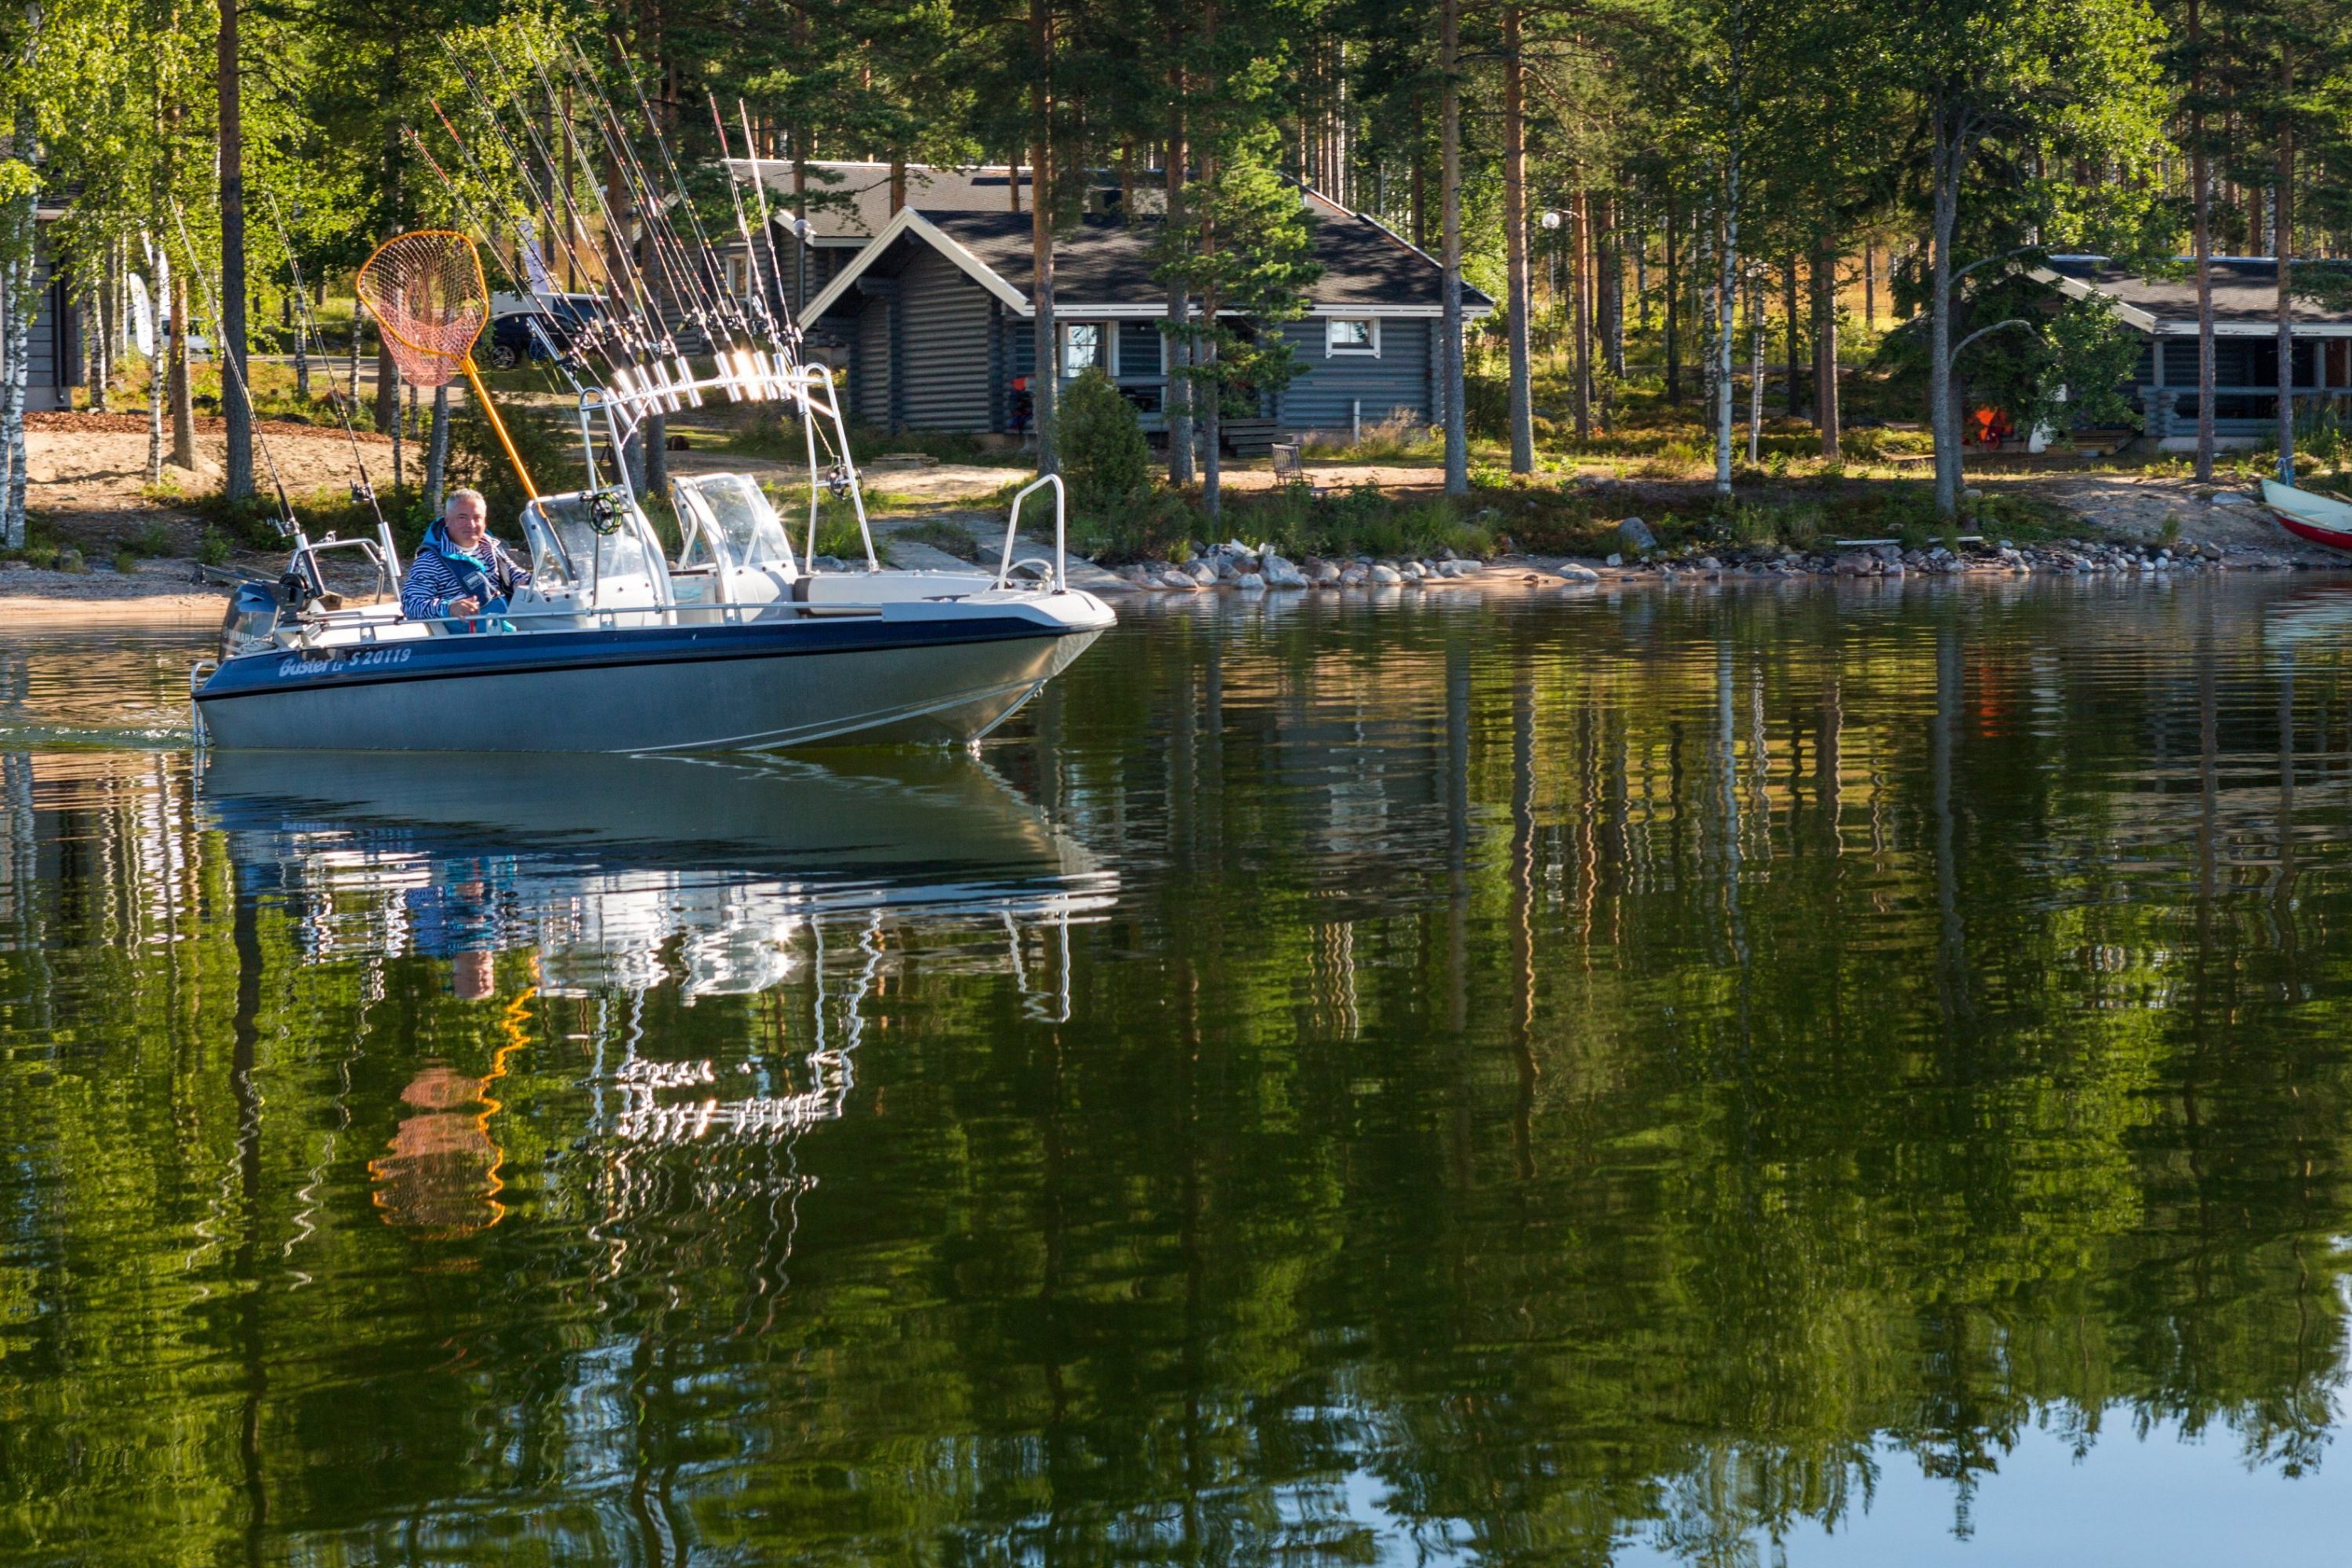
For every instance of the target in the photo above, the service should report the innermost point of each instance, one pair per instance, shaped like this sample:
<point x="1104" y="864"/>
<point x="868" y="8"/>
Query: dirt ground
<point x="88" y="472"/>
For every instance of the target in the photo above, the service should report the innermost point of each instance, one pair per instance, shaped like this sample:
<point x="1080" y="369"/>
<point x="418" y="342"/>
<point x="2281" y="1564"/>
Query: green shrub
<point x="153" y="540"/>
<point x="1145" y="524"/>
<point x="125" y="562"/>
<point x="1104" y="458"/>
<point x="1488" y="400"/>
<point x="214" y="548"/>
<point x="548" y="448"/>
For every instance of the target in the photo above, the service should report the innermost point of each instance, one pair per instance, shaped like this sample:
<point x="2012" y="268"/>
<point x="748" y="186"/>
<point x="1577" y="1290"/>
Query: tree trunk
<point x="184" y="406"/>
<point x="1213" y="459"/>
<point x="1825" y="345"/>
<point x="1943" y="412"/>
<point x="2202" y="174"/>
<point x="1045" y="385"/>
<point x="159" y="274"/>
<point x="1176" y="338"/>
<point x="237" y="408"/>
<point x="1515" y="244"/>
<point x="1449" y="198"/>
<point x="1580" y="324"/>
<point x="657" y="456"/>
<point x="1609" y="275"/>
<point x="19" y="302"/>
<point x="1788" y="310"/>
<point x="1420" y="177"/>
<point x="1755" y="370"/>
<point x="1674" y="312"/>
<point x="1870" y="286"/>
<point x="1727" y="325"/>
<point x="2283" y="223"/>
<point x="436" y="450"/>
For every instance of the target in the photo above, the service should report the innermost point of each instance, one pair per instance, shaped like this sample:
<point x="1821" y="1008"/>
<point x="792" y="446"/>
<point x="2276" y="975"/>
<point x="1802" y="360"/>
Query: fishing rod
<point x="523" y="224"/>
<point x="532" y="187"/>
<point x="634" y="322"/>
<point x="791" y="328"/>
<point x="708" y="257"/>
<point x="701" y="304"/>
<point x="742" y="227"/>
<point x="288" y="525"/>
<point x="307" y="325"/>
<point x="562" y="358"/>
<point x="659" y="339"/>
<point x="513" y="156"/>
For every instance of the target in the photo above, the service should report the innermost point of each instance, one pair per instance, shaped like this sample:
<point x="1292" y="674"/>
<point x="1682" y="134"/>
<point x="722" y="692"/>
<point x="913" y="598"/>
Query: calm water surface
<point x="1778" y="1077"/>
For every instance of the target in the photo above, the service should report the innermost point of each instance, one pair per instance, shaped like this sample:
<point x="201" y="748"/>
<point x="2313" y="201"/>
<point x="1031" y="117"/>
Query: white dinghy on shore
<point x="2306" y="514"/>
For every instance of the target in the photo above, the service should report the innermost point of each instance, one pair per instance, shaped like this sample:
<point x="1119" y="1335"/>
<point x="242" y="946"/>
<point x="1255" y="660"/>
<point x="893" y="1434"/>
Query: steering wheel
<point x="1044" y="567"/>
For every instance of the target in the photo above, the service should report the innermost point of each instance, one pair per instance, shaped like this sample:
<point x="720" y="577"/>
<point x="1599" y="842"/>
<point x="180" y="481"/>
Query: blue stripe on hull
<point x="455" y="658"/>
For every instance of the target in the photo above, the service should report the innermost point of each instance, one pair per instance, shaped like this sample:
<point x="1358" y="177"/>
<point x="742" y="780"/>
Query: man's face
<point x="465" y="521"/>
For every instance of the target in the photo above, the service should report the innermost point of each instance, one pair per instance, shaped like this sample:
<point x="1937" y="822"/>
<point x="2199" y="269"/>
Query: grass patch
<point x="953" y="539"/>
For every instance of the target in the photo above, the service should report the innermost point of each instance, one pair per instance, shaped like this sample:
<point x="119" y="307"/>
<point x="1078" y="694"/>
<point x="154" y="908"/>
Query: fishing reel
<point x="836" y="482"/>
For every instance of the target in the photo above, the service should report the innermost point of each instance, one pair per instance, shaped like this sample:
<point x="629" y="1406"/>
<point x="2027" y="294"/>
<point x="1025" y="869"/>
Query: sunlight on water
<point x="1794" y="1075"/>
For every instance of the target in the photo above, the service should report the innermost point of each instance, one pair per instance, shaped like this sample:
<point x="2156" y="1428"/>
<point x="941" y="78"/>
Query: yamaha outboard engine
<point x="253" y="611"/>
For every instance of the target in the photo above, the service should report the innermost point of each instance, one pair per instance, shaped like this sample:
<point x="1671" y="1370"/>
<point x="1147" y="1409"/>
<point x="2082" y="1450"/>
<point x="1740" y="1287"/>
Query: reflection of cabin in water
<point x="2245" y="344"/>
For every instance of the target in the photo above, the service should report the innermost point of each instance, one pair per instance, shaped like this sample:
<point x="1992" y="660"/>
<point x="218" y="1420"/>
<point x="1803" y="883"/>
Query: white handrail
<point x="1061" y="535"/>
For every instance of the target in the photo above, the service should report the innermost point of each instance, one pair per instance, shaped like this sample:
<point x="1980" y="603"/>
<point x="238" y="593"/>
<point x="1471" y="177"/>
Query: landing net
<point x="426" y="291"/>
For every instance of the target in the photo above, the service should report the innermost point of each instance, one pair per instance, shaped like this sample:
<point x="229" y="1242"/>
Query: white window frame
<point x="1104" y="349"/>
<point x="1334" y="349"/>
<point x="1120" y="370"/>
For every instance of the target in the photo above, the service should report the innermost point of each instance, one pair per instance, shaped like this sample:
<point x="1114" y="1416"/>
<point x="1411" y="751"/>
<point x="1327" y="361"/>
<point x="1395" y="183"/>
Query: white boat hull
<point x="757" y="687"/>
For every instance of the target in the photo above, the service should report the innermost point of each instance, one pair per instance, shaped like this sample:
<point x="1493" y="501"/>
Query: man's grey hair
<point x="454" y="497"/>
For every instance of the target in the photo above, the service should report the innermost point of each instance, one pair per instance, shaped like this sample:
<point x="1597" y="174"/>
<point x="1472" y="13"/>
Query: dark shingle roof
<point x="2245" y="291"/>
<point x="1106" y="262"/>
<point x="852" y="201"/>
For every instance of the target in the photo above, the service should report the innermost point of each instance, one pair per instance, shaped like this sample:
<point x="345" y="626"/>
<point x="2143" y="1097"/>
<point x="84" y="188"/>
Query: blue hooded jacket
<point x="441" y="571"/>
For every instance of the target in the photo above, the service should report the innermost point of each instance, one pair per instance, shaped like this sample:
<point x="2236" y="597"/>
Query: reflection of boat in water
<point x="725" y="877"/>
<point x="598" y="861"/>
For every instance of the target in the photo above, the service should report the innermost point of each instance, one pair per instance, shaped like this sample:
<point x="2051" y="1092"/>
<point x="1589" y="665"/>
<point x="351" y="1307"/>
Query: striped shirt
<point x="435" y="578"/>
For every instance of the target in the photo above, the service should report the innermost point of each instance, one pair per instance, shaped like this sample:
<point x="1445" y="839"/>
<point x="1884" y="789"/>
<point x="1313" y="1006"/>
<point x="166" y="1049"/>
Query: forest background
<point x="1665" y="196"/>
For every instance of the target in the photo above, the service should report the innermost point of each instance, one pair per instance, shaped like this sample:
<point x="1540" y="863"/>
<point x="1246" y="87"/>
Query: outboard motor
<point x="253" y="611"/>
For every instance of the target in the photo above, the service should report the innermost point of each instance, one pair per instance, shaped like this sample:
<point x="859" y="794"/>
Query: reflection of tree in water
<point x="1544" y="1081"/>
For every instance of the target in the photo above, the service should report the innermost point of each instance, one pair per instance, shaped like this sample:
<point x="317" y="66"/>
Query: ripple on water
<point x="1642" y="1074"/>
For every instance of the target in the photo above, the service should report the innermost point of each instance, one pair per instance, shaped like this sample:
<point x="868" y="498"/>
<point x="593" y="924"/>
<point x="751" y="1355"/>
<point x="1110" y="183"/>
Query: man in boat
<point x="460" y="570"/>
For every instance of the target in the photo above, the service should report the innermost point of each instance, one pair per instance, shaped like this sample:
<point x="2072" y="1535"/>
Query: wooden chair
<point x="1289" y="470"/>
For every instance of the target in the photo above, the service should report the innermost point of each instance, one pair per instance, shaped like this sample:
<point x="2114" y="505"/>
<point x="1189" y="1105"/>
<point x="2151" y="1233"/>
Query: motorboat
<point x="739" y="642"/>
<point x="2306" y="514"/>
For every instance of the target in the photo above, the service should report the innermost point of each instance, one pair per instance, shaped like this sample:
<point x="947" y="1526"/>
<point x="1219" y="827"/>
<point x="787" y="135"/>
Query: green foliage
<point x="1243" y="251"/>
<point x="214" y="547"/>
<point x="1100" y="441"/>
<point x="2086" y="365"/>
<point x="549" y="448"/>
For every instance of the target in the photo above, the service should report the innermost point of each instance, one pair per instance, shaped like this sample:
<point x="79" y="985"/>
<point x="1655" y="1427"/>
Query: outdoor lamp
<point x="1550" y="218"/>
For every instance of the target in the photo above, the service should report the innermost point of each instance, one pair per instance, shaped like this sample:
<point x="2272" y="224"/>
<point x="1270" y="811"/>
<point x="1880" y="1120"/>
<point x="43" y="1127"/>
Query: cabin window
<point x="1082" y="348"/>
<point x="1351" y="335"/>
<point x="738" y="278"/>
<point x="1140" y="349"/>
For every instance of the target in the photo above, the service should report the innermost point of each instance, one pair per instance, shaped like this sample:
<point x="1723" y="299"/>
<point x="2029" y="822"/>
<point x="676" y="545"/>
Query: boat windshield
<point x="733" y="525"/>
<point x="584" y="540"/>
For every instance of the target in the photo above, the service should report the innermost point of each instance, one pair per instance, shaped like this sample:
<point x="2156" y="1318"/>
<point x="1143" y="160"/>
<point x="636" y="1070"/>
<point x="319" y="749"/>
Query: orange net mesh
<point x="426" y="291"/>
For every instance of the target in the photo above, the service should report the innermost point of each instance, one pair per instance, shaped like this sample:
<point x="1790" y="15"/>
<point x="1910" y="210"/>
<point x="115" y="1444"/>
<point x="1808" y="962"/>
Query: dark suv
<point x="512" y="341"/>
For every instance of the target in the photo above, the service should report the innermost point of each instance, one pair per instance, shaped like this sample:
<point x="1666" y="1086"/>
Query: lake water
<point x="1806" y="1075"/>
